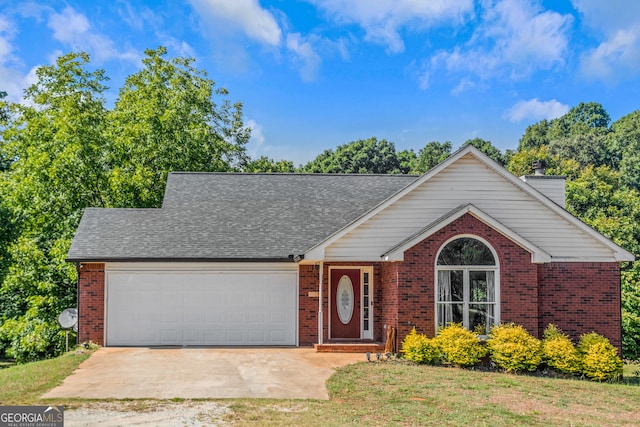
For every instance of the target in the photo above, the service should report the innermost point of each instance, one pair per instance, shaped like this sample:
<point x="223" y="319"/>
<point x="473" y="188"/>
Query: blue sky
<point x="316" y="74"/>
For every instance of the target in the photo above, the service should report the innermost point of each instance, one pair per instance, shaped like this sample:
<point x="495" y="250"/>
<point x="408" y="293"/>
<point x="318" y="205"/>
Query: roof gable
<point x="469" y="176"/>
<point x="396" y="253"/>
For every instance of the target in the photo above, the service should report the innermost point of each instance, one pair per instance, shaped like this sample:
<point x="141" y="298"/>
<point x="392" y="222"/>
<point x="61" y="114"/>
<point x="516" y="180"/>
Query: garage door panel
<point x="201" y="308"/>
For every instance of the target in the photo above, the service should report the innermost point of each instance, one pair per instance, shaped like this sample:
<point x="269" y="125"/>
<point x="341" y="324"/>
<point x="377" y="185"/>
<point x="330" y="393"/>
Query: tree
<point x="487" y="148"/>
<point x="407" y="160"/>
<point x="625" y="145"/>
<point x="535" y="136"/>
<point x="265" y="164"/>
<point x="57" y="146"/>
<point x="588" y="148"/>
<point x="165" y="120"/>
<point x="4" y="118"/>
<point x="68" y="152"/>
<point x="431" y="154"/>
<point x="361" y="156"/>
<point x="584" y="118"/>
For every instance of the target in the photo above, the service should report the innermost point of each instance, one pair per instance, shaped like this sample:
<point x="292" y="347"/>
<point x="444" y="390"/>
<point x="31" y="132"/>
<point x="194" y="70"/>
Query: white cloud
<point x="382" y="19"/>
<point x="617" y="23"/>
<point x="245" y="15"/>
<point x="139" y="18"/>
<point x="305" y="56"/>
<point x="257" y="132"/>
<point x="464" y="85"/>
<point x="256" y="143"/>
<point x="534" y="109"/>
<point x="420" y="73"/>
<point x="75" y="30"/>
<point x="608" y="16"/>
<point x="13" y="79"/>
<point x="176" y="46"/>
<point x="7" y="33"/>
<point x="514" y="39"/>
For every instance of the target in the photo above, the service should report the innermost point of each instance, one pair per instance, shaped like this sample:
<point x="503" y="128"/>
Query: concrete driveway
<point x="201" y="373"/>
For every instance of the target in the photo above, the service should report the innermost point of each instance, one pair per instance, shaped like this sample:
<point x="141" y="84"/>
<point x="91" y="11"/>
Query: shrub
<point x="29" y="339"/>
<point x="460" y="346"/>
<point x="420" y="349"/>
<point x="514" y="349"/>
<point x="590" y="339"/>
<point x="559" y="352"/>
<point x="600" y="360"/>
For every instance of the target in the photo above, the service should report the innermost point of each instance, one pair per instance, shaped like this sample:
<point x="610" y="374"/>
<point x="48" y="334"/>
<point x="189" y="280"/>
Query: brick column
<point x="91" y="303"/>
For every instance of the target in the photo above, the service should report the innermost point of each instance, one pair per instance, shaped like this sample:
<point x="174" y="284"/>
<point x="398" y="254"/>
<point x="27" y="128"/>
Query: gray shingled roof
<point x="232" y="216"/>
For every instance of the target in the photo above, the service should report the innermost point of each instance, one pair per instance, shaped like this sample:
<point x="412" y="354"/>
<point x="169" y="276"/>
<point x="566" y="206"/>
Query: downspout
<point x="320" y="304"/>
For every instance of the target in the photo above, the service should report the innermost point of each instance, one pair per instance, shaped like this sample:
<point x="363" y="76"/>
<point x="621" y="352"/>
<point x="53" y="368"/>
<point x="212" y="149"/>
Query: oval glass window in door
<point x="345" y="299"/>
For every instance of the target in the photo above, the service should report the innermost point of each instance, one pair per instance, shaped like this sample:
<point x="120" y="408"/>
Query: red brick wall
<point x="91" y="303"/>
<point x="416" y="279"/>
<point x="580" y="298"/>
<point x="387" y="303"/>
<point x="307" y="306"/>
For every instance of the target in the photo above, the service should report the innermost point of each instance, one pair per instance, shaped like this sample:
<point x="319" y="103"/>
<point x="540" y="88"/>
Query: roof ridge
<point x="295" y="174"/>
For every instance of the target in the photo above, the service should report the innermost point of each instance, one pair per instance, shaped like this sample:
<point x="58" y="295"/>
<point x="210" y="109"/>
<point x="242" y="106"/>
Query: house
<point x="300" y="259"/>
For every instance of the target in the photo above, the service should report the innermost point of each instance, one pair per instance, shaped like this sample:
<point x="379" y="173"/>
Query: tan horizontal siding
<point x="465" y="182"/>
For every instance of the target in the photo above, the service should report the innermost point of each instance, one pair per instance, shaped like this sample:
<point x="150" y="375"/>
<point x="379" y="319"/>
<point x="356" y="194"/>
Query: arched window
<point x="467" y="288"/>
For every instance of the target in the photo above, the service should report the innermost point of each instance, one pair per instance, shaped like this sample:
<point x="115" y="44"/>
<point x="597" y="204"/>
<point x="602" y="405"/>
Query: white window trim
<point x="466" y="269"/>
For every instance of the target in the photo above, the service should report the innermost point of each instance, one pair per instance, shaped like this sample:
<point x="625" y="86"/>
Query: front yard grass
<point x="24" y="384"/>
<point x="384" y="393"/>
<point x="402" y="394"/>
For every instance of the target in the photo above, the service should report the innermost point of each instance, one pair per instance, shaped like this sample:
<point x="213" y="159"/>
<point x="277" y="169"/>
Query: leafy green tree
<point x="361" y="156"/>
<point x="432" y="154"/>
<point x="56" y="142"/>
<point x="588" y="148"/>
<point x="487" y="148"/>
<point x="535" y="136"/>
<point x="625" y="145"/>
<point x="265" y="164"/>
<point x="4" y="118"/>
<point x="631" y="311"/>
<point x="407" y="160"/>
<point x="164" y="120"/>
<point x="69" y="152"/>
<point x="584" y="118"/>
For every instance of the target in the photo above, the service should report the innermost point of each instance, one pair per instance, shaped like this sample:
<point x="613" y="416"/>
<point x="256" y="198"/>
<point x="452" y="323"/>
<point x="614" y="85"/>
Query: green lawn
<point x="24" y="384"/>
<point x="388" y="393"/>
<point x="395" y="394"/>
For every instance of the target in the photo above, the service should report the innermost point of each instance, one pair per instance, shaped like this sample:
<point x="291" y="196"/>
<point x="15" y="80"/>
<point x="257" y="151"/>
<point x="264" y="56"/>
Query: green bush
<point x="420" y="349"/>
<point x="460" y="346"/>
<point x="28" y="340"/>
<point x="600" y="360"/>
<point x="514" y="349"/>
<point x="559" y="352"/>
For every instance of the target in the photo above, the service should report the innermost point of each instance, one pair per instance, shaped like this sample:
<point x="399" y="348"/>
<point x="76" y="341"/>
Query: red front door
<point x="345" y="303"/>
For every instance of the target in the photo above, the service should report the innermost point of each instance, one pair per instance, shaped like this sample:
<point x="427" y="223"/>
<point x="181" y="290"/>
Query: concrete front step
<point x="349" y="347"/>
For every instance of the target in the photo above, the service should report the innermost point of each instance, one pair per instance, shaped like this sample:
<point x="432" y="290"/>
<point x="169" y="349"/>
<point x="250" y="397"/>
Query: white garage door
<point x="201" y="308"/>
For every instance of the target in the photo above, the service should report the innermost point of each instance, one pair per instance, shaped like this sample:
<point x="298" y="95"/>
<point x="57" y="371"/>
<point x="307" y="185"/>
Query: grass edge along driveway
<point x="383" y="393"/>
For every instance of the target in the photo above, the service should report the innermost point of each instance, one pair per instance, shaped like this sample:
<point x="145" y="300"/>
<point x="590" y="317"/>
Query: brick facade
<point x="91" y="303"/>
<point x="307" y="305"/>
<point x="416" y="278"/>
<point x="581" y="297"/>
<point x="577" y="297"/>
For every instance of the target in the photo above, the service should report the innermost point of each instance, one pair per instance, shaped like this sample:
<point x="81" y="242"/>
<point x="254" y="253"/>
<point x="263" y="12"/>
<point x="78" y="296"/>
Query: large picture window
<point x="466" y="285"/>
